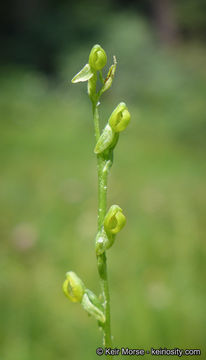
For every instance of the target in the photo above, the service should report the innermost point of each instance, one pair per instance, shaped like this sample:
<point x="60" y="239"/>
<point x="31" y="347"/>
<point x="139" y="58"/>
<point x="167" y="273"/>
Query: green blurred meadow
<point x="48" y="193"/>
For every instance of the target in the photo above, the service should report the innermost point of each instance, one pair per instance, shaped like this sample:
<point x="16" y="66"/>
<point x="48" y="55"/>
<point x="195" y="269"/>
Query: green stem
<point x="103" y="170"/>
<point x="96" y="119"/>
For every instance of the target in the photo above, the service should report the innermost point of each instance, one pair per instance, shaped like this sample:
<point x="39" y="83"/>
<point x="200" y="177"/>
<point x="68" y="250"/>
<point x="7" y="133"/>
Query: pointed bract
<point x="110" y="76"/>
<point x="83" y="75"/>
<point x="106" y="140"/>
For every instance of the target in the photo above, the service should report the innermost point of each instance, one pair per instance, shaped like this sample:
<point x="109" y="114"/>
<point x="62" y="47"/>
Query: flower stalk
<point x="112" y="221"/>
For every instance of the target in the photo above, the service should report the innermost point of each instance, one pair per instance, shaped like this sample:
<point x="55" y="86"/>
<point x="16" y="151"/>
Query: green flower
<point x="97" y="58"/>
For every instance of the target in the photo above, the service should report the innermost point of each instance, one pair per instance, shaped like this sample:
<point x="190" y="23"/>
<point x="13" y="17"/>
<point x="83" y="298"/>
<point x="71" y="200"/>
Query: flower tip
<point x="114" y="220"/>
<point x="120" y="118"/>
<point x="73" y="287"/>
<point x="97" y="58"/>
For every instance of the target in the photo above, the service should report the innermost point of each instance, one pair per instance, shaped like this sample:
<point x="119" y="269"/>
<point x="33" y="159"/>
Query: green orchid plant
<point x="110" y="221"/>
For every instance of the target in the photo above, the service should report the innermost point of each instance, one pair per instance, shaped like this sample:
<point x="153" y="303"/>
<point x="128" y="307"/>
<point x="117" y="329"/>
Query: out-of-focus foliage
<point x="49" y="198"/>
<point x="35" y="33"/>
<point x="191" y="17"/>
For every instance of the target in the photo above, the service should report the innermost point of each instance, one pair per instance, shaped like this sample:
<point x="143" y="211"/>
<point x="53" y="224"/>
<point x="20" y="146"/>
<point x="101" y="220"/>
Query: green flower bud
<point x="97" y="58"/>
<point x="120" y="118"/>
<point x="93" y="306"/>
<point x="114" y="220"/>
<point x="73" y="287"/>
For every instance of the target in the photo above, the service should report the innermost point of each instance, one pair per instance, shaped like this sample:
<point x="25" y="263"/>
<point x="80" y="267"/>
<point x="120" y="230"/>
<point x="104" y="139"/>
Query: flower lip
<point x="73" y="287"/>
<point x="114" y="220"/>
<point x="120" y="118"/>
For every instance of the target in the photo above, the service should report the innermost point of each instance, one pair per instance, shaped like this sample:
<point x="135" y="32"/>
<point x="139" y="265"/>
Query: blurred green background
<point x="48" y="181"/>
